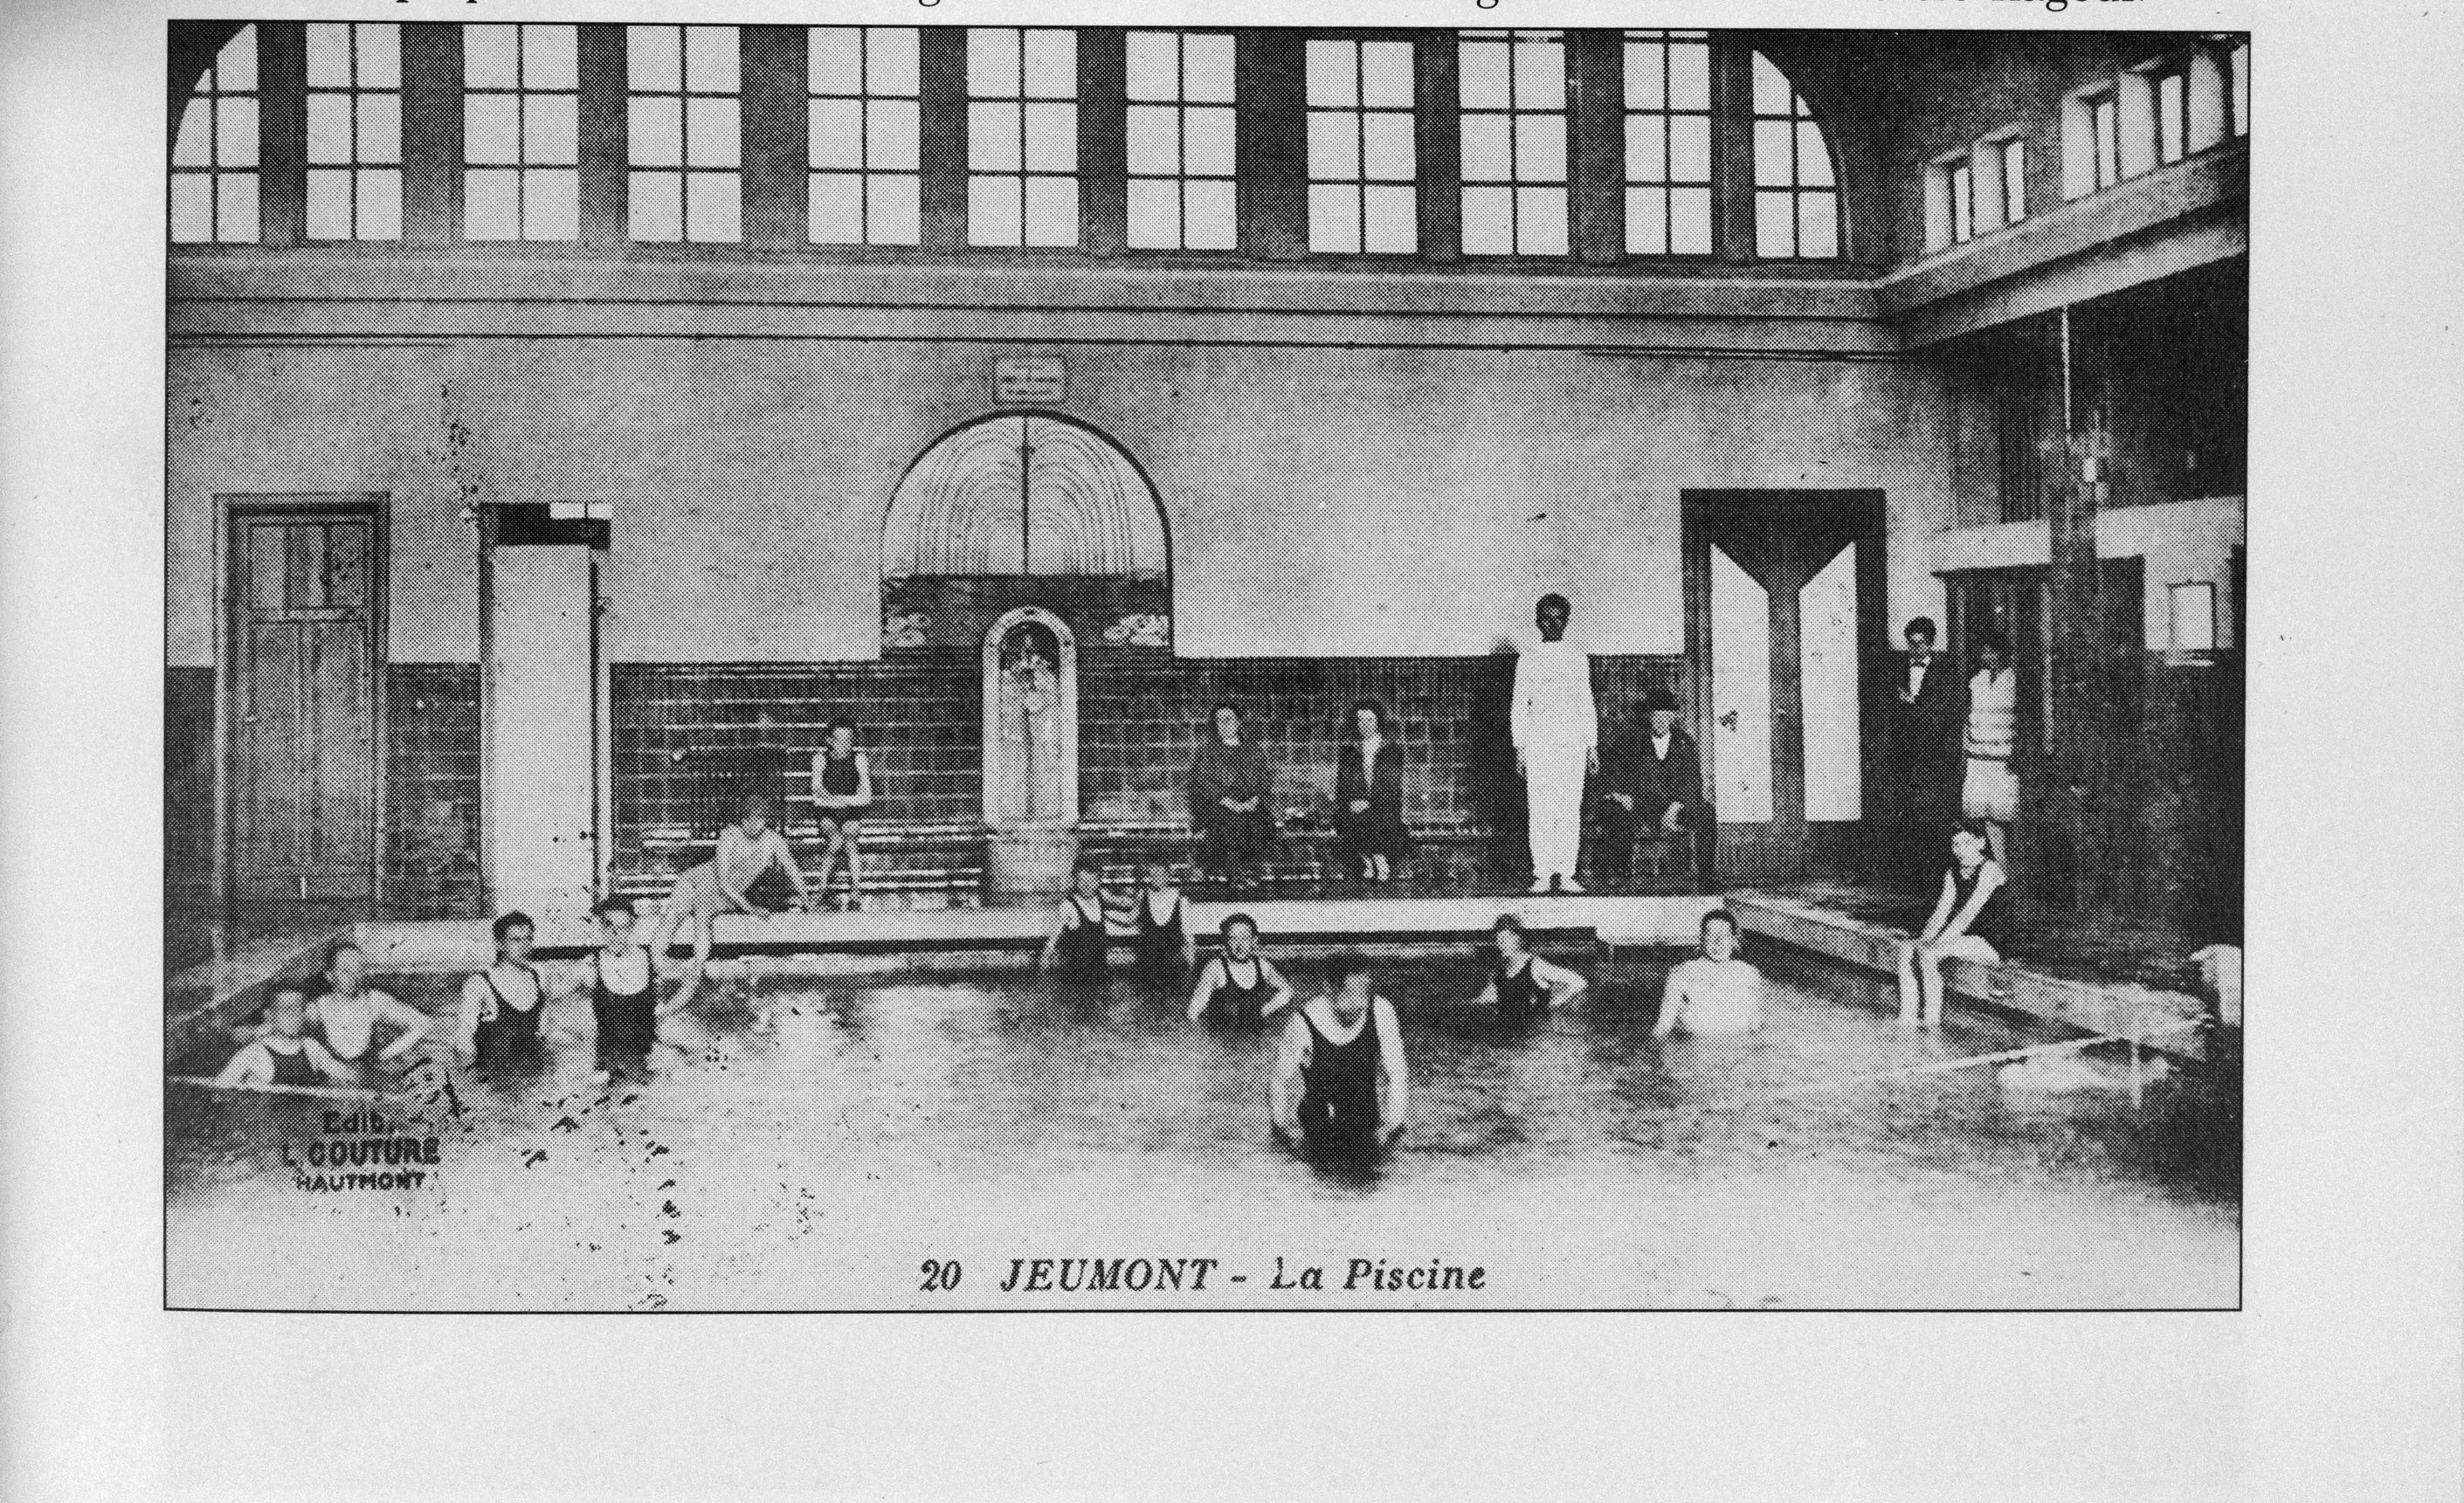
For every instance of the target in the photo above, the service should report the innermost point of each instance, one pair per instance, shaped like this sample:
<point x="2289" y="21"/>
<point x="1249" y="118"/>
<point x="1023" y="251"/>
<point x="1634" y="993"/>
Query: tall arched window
<point x="214" y="155"/>
<point x="1797" y="184"/>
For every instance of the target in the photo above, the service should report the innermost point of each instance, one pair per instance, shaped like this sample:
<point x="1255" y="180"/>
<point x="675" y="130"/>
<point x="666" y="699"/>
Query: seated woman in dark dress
<point x="1228" y="784"/>
<point x="1369" y="798"/>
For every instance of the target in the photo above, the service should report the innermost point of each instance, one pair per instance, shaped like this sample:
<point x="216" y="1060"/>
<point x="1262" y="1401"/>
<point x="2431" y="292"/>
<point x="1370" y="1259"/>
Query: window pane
<point x="1813" y="156"/>
<point x="1486" y="157"/>
<point x="654" y="205"/>
<point x="1334" y="74"/>
<point x="834" y="133"/>
<point x="992" y="62"/>
<point x="1773" y="153"/>
<point x="329" y="54"/>
<point x="547" y="57"/>
<point x="992" y="138"/>
<point x="654" y="135"/>
<point x="653" y="62"/>
<point x="1333" y="145"/>
<point x="1540" y="148"/>
<point x="1481" y="76"/>
<point x="992" y="211"/>
<point x="329" y="204"/>
<point x="193" y="146"/>
<point x="1540" y="221"/>
<point x="236" y="132"/>
<point x="1817" y="225"/>
<point x="1052" y="211"/>
<point x="1775" y="224"/>
<point x="381" y="204"/>
<point x="712" y="59"/>
<point x="1386" y="74"/>
<point x="235" y="65"/>
<point x="551" y="203"/>
<point x="1690" y="148"/>
<point x="329" y="127"/>
<point x="1209" y="143"/>
<point x="1335" y="218"/>
<point x="1154" y="65"/>
<point x="1206" y="68"/>
<point x="890" y="135"/>
<point x="1392" y="154"/>
<point x="835" y="209"/>
<point x="1772" y="94"/>
<point x="1689" y="221"/>
<point x="192" y="208"/>
<point x="713" y="136"/>
<point x="1153" y="140"/>
<point x="1052" y="138"/>
<point x="550" y="131"/>
<point x="834" y="59"/>
<point x="380" y="127"/>
<point x="1394" y="220"/>
<point x="1646" y="221"/>
<point x="1690" y="76"/>
<point x="1154" y="214"/>
<point x="1487" y="221"/>
<point x="236" y="207"/>
<point x="1646" y="148"/>
<point x="490" y="204"/>
<point x="380" y="56"/>
<point x="714" y="210"/>
<point x="1053" y="64"/>
<point x="1644" y="87"/>
<point x="1539" y="75"/>
<point x="1211" y="223"/>
<point x="890" y="61"/>
<point x="490" y="128"/>
<point x="2015" y="181"/>
<point x="2169" y="118"/>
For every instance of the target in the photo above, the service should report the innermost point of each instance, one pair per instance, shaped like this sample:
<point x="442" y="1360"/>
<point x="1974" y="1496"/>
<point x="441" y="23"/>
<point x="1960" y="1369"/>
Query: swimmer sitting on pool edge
<point x="746" y="850"/>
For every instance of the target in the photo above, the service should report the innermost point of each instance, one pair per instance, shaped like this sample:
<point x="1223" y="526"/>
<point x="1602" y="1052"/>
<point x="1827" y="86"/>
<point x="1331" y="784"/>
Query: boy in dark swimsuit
<point x="1521" y="985"/>
<point x="624" y="994"/>
<point x="1165" y="949"/>
<point x="502" y="1005"/>
<point x="1081" y="945"/>
<point x="1341" y="1086"/>
<point x="1240" y="987"/>
<point x="283" y="1056"/>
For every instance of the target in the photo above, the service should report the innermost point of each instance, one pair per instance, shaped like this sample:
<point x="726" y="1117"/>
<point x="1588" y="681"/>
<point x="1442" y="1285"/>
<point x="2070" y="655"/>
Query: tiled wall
<point x="432" y="790"/>
<point x="684" y="733"/>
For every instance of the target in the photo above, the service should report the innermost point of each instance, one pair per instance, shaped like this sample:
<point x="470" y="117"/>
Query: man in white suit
<point x="1556" y="741"/>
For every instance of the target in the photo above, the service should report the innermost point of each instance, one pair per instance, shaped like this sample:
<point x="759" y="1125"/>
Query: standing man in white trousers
<point x="1556" y="741"/>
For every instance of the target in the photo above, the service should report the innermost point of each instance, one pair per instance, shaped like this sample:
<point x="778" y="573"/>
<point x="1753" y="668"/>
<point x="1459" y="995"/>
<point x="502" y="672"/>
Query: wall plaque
<point x="1029" y="381"/>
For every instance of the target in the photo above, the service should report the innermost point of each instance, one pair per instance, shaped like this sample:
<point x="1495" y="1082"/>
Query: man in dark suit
<point x="1922" y="742"/>
<point x="1655" y="782"/>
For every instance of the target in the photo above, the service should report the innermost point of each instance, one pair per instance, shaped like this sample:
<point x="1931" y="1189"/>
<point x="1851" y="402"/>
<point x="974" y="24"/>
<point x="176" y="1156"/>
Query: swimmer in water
<point x="1714" y="992"/>
<point x="1166" y="949"/>
<point x="624" y="994"/>
<point x="1521" y="985"/>
<point x="1341" y="1086"/>
<point x="1080" y="948"/>
<point x="1240" y="987"/>
<point x="347" y="1015"/>
<point x="747" y="850"/>
<point x="502" y="1005"/>
<point x="283" y="1056"/>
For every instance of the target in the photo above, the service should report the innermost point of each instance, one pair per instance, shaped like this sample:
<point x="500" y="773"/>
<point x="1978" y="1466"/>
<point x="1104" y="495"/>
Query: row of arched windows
<point x="1536" y="144"/>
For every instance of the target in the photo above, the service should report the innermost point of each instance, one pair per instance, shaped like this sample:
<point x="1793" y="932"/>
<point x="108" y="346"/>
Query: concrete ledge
<point x="463" y="944"/>
<point x="2093" y="1006"/>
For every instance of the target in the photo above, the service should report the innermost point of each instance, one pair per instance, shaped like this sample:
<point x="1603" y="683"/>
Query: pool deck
<point x="1829" y="925"/>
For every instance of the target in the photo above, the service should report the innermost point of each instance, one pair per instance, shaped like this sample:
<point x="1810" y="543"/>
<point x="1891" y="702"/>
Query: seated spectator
<point x="842" y="794"/>
<point x="1655" y="785"/>
<point x="1228" y="785"/>
<point x="1369" y="798"/>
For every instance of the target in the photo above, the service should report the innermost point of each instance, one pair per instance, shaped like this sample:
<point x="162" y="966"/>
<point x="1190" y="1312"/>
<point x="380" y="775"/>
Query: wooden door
<point x="1784" y="614"/>
<point x="304" y="702"/>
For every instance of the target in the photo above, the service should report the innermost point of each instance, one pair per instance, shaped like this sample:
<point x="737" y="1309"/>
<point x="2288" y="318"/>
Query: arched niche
<point x="1030" y="727"/>
<point x="1025" y="494"/>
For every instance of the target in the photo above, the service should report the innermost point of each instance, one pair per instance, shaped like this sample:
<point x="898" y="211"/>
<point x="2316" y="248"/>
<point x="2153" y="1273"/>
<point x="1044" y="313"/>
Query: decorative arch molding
<point x="1025" y="494"/>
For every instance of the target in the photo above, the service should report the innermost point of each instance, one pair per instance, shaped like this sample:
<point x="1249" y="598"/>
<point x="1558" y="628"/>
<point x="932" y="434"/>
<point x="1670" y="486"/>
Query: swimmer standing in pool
<point x="282" y="1056"/>
<point x="1714" y="992"/>
<point x="502" y="1005"/>
<point x="1521" y="985"/>
<point x="349" y="1013"/>
<point x="747" y="850"/>
<point x="1240" y="987"/>
<point x="1341" y="1086"/>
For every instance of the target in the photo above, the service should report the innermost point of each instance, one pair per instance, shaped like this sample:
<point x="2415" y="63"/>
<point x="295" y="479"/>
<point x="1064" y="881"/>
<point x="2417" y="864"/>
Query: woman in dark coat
<point x="1369" y="797"/>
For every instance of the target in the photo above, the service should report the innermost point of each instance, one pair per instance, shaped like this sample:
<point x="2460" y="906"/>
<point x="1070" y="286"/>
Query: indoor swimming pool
<point x="889" y="1124"/>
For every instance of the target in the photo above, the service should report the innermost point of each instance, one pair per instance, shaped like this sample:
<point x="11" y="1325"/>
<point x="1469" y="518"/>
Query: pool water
<point x="886" y="1124"/>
